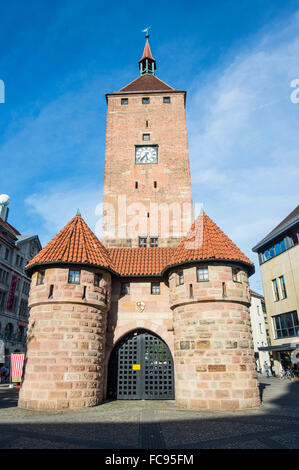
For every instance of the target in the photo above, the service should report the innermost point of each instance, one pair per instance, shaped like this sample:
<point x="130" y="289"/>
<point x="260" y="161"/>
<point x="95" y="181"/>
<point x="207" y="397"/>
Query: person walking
<point x="266" y="367"/>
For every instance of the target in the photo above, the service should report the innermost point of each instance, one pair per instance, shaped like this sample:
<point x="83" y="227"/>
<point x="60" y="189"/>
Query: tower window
<point x="155" y="184"/>
<point x="136" y="184"/>
<point x="145" y="100"/>
<point x="124" y="101"/>
<point x="125" y="288"/>
<point x="146" y="137"/>
<point x="146" y="123"/>
<point x="153" y="242"/>
<point x="166" y="99"/>
<point x="97" y="279"/>
<point x="142" y="242"/>
<point x="180" y="278"/>
<point x="40" y="278"/>
<point x="202" y="274"/>
<point x="74" y="277"/>
<point x="235" y="272"/>
<point x="155" y="288"/>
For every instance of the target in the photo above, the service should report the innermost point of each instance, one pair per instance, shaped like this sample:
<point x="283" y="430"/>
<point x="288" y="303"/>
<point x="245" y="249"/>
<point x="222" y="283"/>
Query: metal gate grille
<point x="154" y="378"/>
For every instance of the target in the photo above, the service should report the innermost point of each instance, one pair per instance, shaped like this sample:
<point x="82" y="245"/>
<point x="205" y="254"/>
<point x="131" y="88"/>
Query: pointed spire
<point x="147" y="64"/>
<point x="78" y="212"/>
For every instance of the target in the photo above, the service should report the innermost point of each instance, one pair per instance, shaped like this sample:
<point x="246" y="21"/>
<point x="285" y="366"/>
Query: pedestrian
<point x="266" y="367"/>
<point x="4" y="373"/>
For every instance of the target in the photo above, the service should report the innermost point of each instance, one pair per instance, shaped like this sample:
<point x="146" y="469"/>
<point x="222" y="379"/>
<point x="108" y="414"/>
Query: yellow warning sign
<point x="136" y="366"/>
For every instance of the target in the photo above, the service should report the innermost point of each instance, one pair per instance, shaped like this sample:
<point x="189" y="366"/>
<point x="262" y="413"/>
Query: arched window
<point x="20" y="333"/>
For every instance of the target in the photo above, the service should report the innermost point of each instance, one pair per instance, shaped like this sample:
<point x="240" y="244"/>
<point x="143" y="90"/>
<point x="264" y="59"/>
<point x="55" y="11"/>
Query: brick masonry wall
<point x="167" y="128"/>
<point x="64" y="364"/>
<point x="213" y="350"/>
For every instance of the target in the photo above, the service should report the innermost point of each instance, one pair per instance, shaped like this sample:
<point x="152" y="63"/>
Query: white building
<point x="259" y="328"/>
<point x="16" y="250"/>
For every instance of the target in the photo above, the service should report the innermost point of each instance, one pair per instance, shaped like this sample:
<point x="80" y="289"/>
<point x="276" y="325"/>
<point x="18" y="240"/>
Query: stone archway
<point x="141" y="368"/>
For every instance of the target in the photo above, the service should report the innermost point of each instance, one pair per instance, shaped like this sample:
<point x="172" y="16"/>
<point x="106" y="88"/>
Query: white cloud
<point x="244" y="143"/>
<point x="59" y="205"/>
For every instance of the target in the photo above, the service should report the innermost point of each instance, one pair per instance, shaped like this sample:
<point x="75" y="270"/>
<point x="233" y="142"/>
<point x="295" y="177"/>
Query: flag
<point x="16" y="367"/>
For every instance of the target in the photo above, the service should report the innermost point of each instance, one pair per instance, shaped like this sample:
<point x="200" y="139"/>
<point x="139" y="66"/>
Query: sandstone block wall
<point x="64" y="364"/>
<point x="214" y="356"/>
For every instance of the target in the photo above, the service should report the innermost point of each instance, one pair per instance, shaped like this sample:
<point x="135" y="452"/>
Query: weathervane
<point x="146" y="30"/>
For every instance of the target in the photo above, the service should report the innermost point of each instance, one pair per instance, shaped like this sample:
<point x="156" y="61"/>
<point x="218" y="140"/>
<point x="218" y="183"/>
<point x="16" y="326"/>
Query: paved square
<point x="156" y="424"/>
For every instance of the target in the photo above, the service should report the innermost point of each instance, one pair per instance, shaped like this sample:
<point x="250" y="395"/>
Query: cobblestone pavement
<point x="156" y="424"/>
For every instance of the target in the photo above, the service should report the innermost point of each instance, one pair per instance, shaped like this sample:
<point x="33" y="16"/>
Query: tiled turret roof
<point x="75" y="243"/>
<point x="206" y="241"/>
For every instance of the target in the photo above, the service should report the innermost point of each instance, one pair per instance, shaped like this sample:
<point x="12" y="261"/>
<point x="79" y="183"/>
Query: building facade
<point x="16" y="250"/>
<point x="145" y="313"/>
<point x="279" y="264"/>
<point x="259" y="329"/>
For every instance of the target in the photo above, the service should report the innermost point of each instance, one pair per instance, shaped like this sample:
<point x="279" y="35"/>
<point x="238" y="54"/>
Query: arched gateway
<point x="141" y="368"/>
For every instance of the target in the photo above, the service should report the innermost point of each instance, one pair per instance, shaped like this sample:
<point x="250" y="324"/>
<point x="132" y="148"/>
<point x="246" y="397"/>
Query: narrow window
<point x="84" y="292"/>
<point x="202" y="274"/>
<point x="145" y="100"/>
<point x="148" y="215"/>
<point x="125" y="288"/>
<point x="146" y="123"/>
<point x="155" y="184"/>
<point x="235" y="273"/>
<point x="146" y="137"/>
<point x="283" y="287"/>
<point x="40" y="278"/>
<point x="136" y="184"/>
<point x="74" y="277"/>
<point x="224" y="290"/>
<point x="155" y="288"/>
<point x="97" y="279"/>
<point x="180" y="278"/>
<point x="275" y="290"/>
<point x="142" y="242"/>
<point x="191" y="291"/>
<point x="153" y="242"/>
<point x="51" y="291"/>
<point x="124" y="101"/>
<point x="166" y="99"/>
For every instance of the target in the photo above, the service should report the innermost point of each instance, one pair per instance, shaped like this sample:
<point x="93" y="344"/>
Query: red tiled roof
<point x="140" y="261"/>
<point x="206" y="240"/>
<point x="75" y="243"/>
<point x="147" y="83"/>
<point x="147" y="53"/>
<point x="7" y="227"/>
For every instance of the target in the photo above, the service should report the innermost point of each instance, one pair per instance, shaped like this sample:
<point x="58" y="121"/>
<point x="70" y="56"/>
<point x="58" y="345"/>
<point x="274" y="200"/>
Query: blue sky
<point x="235" y="59"/>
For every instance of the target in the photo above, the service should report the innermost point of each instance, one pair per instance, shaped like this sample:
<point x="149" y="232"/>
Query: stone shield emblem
<point x="140" y="306"/>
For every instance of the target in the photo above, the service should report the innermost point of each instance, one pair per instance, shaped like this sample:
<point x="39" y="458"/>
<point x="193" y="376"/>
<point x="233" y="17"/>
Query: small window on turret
<point x="74" y="277"/>
<point x="166" y="99"/>
<point x="235" y="274"/>
<point x="202" y="274"/>
<point x="145" y="100"/>
<point x="124" y="101"/>
<point x="97" y="279"/>
<point x="40" y="278"/>
<point x="180" y="278"/>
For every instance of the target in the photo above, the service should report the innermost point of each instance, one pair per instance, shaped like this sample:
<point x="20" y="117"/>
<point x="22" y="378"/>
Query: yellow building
<point x="279" y="264"/>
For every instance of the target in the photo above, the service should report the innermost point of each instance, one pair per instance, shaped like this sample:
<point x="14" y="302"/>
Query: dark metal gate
<point x="141" y="368"/>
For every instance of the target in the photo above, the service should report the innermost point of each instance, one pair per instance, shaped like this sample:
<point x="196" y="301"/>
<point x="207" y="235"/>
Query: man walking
<point x="266" y="367"/>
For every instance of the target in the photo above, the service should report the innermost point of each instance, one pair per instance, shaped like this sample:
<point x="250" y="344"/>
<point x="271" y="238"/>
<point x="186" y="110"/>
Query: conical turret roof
<point x="206" y="241"/>
<point x="75" y="243"/>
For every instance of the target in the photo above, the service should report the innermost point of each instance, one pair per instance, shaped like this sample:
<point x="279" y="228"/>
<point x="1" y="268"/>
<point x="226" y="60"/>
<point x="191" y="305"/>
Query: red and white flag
<point x="16" y="367"/>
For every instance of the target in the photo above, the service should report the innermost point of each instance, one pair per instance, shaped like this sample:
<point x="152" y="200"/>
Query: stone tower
<point x="147" y="186"/>
<point x="213" y="347"/>
<point x="69" y="300"/>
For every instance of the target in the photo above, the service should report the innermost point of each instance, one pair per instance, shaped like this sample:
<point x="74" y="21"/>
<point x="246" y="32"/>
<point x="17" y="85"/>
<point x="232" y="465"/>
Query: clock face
<point x="145" y="155"/>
